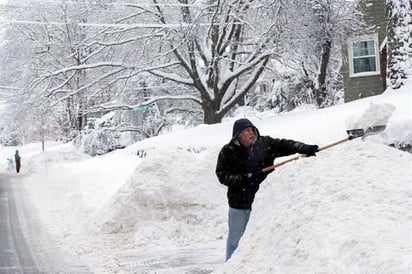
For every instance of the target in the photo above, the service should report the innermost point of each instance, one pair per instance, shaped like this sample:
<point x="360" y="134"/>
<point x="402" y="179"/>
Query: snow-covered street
<point x="26" y="246"/>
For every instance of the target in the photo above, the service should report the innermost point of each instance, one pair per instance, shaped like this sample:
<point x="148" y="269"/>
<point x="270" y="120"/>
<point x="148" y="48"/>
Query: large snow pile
<point x="171" y="197"/>
<point x="349" y="210"/>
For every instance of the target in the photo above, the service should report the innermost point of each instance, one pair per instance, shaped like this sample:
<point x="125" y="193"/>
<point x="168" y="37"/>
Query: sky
<point x="157" y="206"/>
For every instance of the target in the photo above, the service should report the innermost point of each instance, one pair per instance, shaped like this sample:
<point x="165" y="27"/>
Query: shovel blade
<point x="361" y="132"/>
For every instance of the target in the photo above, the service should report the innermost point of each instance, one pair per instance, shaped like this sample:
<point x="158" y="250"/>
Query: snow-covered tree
<point x="215" y="50"/>
<point x="399" y="40"/>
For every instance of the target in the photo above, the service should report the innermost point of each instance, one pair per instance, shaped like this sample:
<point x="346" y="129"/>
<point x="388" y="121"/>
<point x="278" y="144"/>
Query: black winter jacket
<point x="235" y="161"/>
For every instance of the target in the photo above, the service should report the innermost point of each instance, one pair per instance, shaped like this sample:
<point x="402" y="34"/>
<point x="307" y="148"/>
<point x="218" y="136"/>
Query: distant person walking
<point x="17" y="159"/>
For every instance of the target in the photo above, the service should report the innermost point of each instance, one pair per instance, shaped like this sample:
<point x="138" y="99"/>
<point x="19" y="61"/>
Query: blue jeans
<point x="238" y="219"/>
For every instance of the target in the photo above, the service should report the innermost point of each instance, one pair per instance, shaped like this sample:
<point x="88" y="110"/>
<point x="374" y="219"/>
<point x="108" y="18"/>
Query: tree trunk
<point x="321" y="92"/>
<point x="210" y="115"/>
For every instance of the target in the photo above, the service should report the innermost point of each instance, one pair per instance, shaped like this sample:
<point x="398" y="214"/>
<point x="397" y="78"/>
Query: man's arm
<point x="288" y="147"/>
<point x="225" y="176"/>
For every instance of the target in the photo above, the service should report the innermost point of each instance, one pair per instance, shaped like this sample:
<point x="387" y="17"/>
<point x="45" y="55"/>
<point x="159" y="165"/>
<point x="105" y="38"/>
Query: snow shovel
<point x="376" y="116"/>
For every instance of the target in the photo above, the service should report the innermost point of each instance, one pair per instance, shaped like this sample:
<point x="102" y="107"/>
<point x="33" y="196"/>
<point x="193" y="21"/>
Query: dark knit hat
<point x="240" y="125"/>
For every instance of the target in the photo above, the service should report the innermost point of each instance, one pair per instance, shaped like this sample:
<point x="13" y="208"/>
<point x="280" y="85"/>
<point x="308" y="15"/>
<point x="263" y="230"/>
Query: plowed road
<point x="24" y="246"/>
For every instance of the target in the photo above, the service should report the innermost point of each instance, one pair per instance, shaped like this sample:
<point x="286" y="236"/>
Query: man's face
<point x="247" y="136"/>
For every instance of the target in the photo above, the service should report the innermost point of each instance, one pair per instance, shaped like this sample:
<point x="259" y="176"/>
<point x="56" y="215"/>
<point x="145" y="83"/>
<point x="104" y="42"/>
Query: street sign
<point x="141" y="109"/>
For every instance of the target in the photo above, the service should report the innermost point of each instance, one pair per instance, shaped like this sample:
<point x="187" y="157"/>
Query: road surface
<point x="24" y="246"/>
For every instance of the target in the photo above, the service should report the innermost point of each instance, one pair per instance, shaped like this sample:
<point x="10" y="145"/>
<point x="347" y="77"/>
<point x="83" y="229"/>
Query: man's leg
<point x="238" y="219"/>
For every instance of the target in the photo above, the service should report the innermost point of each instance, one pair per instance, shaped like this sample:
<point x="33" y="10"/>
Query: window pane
<point x="363" y="48"/>
<point x="364" y="64"/>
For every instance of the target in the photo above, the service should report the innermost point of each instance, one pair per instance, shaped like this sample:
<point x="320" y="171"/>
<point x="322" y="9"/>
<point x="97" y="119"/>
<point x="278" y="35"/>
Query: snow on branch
<point x="146" y="103"/>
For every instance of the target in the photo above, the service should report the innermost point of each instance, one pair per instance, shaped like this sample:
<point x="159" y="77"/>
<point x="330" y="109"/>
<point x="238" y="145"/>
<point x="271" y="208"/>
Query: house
<point x="364" y="73"/>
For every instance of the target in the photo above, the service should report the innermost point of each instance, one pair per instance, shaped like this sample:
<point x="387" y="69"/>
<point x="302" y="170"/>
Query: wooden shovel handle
<point x="334" y="144"/>
<point x="269" y="168"/>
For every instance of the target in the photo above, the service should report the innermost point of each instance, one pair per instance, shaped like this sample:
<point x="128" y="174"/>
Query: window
<point x="364" y="56"/>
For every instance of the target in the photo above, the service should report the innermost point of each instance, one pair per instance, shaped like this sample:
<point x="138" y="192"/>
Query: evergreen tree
<point x="399" y="33"/>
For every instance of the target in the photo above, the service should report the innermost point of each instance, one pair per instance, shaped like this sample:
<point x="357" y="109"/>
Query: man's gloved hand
<point x="254" y="174"/>
<point x="309" y="150"/>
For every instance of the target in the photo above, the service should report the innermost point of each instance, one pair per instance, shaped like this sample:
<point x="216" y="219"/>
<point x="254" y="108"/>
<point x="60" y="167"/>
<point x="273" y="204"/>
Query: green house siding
<point x="356" y="87"/>
<point x="362" y="87"/>
<point x="375" y="16"/>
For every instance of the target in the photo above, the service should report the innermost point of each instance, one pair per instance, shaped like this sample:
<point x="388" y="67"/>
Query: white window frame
<point x="373" y="37"/>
